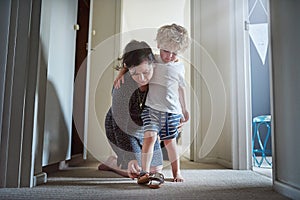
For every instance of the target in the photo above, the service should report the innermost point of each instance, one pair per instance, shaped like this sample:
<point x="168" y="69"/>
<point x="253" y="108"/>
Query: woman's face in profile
<point x="142" y="73"/>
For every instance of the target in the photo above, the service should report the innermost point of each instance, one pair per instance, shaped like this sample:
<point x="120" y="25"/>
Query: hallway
<point x="82" y="180"/>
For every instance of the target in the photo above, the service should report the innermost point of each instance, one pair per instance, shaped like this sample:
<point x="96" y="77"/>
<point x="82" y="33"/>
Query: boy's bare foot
<point x="178" y="178"/>
<point x="109" y="165"/>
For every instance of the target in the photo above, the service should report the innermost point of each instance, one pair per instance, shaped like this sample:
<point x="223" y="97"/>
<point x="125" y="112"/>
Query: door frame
<point x="83" y="16"/>
<point x="87" y="83"/>
<point x="17" y="159"/>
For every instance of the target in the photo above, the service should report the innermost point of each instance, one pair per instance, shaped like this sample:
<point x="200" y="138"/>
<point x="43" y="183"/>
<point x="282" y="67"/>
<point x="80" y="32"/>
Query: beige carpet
<point x="203" y="181"/>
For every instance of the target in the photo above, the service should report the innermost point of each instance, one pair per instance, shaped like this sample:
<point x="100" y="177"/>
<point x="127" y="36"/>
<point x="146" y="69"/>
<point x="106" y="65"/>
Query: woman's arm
<point x="121" y="104"/>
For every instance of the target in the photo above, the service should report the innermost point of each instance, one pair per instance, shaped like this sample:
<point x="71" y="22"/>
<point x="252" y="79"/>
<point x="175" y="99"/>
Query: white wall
<point x="214" y="66"/>
<point x="220" y="78"/>
<point x="142" y="18"/>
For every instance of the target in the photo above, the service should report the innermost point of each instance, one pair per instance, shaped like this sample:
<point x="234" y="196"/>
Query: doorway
<point x="80" y="86"/>
<point x="145" y="29"/>
<point x="258" y="16"/>
<point x="106" y="28"/>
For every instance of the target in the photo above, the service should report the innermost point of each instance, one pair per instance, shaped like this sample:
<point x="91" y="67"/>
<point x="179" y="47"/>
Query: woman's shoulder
<point x="128" y="81"/>
<point x="128" y="85"/>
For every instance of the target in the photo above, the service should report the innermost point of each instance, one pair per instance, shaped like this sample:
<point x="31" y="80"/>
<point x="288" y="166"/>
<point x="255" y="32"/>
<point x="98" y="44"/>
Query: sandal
<point x="156" y="180"/>
<point x="153" y="180"/>
<point x="143" y="178"/>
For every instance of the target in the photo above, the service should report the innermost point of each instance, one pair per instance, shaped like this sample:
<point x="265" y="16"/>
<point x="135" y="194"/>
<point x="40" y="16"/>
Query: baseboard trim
<point x="39" y="179"/>
<point x="286" y="190"/>
<point x="219" y="161"/>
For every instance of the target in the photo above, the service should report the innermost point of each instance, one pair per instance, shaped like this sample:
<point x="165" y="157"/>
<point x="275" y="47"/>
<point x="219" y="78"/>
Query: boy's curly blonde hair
<point x="173" y="38"/>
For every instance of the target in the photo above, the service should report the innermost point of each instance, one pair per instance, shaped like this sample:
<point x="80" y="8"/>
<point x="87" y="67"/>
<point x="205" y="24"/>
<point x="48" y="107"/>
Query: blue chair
<point x="262" y="148"/>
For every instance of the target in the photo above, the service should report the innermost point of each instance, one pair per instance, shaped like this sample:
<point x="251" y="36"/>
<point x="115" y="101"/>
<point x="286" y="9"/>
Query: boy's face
<point x="167" y="56"/>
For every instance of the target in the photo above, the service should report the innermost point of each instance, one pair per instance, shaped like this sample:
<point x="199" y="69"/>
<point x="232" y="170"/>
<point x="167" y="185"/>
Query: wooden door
<point x="80" y="76"/>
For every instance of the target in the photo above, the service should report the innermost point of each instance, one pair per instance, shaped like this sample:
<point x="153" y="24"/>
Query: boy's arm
<point x="120" y="78"/>
<point x="185" y="112"/>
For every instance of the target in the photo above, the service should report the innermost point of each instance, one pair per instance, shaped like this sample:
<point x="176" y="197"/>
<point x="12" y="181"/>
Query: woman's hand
<point x="133" y="169"/>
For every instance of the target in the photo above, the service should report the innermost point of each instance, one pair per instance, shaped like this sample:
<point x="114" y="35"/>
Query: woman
<point x="123" y="122"/>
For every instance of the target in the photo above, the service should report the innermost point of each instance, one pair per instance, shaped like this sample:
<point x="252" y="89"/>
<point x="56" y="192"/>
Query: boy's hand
<point x="186" y="117"/>
<point x="118" y="81"/>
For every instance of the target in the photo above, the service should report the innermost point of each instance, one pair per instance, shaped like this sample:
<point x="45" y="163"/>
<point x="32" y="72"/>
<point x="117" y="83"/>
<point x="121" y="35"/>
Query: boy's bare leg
<point x="154" y="169"/>
<point x="147" y="149"/>
<point x="171" y="146"/>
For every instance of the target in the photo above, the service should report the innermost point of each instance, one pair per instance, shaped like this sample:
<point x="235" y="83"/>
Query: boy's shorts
<point x="165" y="124"/>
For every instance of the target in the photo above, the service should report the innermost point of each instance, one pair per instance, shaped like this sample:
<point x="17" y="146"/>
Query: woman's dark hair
<point x="135" y="53"/>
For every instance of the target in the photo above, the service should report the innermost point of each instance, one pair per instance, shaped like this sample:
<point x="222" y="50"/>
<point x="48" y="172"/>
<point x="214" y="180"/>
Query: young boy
<point x="165" y="104"/>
